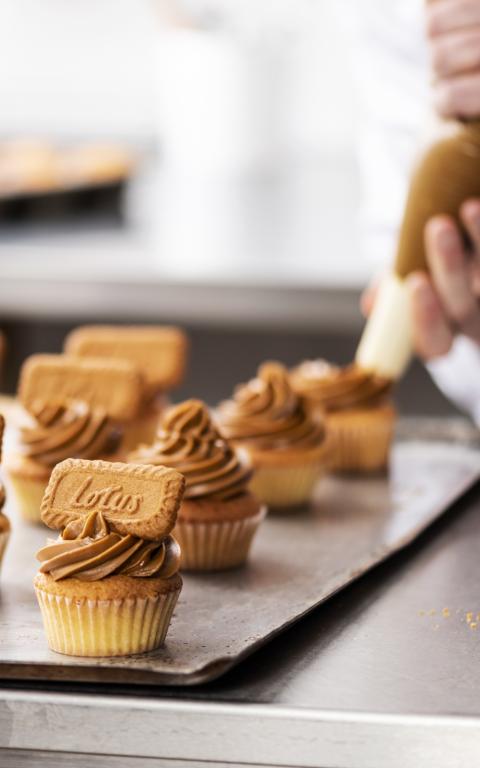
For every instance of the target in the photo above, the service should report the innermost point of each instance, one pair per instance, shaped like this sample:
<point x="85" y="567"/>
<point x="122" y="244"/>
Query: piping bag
<point x="447" y="174"/>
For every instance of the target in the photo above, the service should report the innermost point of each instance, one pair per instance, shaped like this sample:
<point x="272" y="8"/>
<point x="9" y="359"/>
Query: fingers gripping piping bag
<point x="447" y="174"/>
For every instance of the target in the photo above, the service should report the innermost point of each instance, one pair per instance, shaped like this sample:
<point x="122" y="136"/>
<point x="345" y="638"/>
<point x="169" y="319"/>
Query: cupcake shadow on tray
<point x="138" y="490"/>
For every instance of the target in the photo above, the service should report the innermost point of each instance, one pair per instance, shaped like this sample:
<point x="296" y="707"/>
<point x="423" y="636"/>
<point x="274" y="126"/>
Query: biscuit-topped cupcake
<point x="357" y="410"/>
<point x="56" y="432"/>
<point x="286" y="446"/>
<point x="75" y="407"/>
<point x="108" y="585"/>
<point x="218" y="517"/>
<point x="159" y="352"/>
<point x="4" y="521"/>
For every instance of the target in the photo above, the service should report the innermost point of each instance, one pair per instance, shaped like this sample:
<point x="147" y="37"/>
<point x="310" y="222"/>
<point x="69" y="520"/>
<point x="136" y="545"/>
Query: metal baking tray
<point x="298" y="561"/>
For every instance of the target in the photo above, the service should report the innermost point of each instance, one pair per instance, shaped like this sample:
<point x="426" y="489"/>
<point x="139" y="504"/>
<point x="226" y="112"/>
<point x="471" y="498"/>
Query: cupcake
<point x="357" y="410"/>
<point x="286" y="446"/>
<point x="114" y="385"/>
<point x="4" y="521"/>
<point x="56" y="432"/>
<point x="218" y="517"/>
<point x="159" y="352"/>
<point x="108" y="585"/>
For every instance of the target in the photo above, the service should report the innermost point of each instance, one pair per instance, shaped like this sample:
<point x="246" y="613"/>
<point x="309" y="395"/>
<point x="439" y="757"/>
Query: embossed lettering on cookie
<point x="138" y="499"/>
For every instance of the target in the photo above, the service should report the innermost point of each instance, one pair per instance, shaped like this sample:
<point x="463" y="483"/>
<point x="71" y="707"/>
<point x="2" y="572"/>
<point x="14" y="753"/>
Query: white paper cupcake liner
<point x="362" y="447"/>
<point x="285" y="487"/>
<point x="27" y="494"/>
<point x="215" y="546"/>
<point x="106" y="627"/>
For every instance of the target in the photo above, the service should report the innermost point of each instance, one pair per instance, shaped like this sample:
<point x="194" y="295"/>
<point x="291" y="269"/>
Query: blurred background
<point x="189" y="162"/>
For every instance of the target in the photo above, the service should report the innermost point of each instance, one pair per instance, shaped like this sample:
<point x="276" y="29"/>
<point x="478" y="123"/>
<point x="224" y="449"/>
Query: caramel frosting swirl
<point x="268" y="413"/>
<point x="336" y="388"/>
<point x="88" y="550"/>
<point x="73" y="430"/>
<point x="188" y="441"/>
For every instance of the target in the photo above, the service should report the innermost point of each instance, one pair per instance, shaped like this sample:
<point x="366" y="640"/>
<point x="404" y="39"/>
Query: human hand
<point x="445" y="302"/>
<point x="453" y="32"/>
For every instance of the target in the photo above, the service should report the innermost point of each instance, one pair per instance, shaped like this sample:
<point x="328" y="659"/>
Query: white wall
<point x="70" y="67"/>
<point x="75" y="66"/>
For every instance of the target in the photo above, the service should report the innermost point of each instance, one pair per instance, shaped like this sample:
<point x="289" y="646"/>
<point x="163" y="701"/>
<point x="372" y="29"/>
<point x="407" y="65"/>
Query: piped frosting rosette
<point x="268" y="414"/>
<point x="74" y="429"/>
<point x="286" y="445"/>
<point x="218" y="516"/>
<point x="89" y="551"/>
<point x="188" y="441"/>
<point x="334" y="388"/>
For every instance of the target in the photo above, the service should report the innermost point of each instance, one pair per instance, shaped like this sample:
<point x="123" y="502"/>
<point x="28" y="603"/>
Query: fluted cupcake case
<point x="28" y="493"/>
<point x="216" y="545"/>
<point x="360" y="440"/>
<point x="287" y="484"/>
<point x="78" y="625"/>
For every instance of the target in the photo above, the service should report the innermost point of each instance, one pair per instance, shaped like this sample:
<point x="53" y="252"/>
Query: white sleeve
<point x="390" y="65"/>
<point x="458" y="375"/>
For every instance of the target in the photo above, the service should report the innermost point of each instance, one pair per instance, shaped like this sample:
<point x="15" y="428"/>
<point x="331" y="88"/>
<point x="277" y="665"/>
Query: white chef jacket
<point x="389" y="59"/>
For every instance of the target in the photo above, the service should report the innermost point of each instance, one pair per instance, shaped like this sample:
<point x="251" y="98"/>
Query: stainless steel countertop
<point x="33" y="294"/>
<point x="385" y="674"/>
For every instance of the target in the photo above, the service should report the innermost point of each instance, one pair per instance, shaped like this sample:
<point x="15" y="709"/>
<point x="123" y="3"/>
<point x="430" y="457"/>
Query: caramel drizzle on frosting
<point x="188" y="441"/>
<point x="337" y="388"/>
<point x="72" y="430"/>
<point x="88" y="550"/>
<point x="267" y="412"/>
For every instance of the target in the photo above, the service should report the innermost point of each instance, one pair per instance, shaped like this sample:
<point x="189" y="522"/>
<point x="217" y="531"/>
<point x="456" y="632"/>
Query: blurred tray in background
<point x="43" y="180"/>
